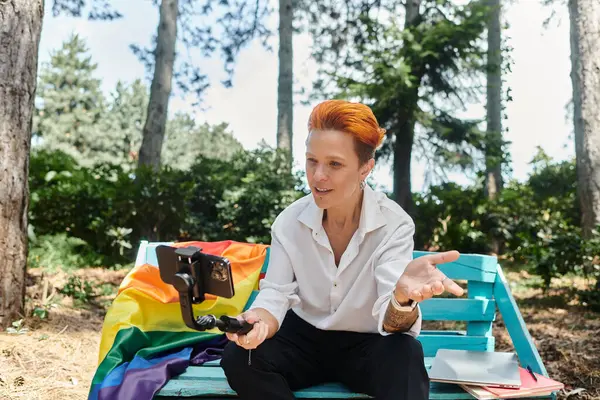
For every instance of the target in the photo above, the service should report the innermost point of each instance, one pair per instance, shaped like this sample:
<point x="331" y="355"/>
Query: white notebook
<point x="482" y="368"/>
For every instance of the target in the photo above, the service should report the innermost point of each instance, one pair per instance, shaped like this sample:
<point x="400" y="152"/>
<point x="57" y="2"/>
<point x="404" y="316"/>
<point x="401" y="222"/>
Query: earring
<point x="362" y="185"/>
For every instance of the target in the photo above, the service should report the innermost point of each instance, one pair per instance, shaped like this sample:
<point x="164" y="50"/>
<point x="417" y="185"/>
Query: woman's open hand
<point x="422" y="280"/>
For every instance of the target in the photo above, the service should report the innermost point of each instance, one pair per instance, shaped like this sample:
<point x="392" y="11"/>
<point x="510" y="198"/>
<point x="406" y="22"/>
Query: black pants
<point x="300" y="356"/>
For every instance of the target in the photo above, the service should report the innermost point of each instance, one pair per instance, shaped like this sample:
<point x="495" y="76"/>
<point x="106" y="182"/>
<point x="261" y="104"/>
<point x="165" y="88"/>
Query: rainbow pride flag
<point x="144" y="340"/>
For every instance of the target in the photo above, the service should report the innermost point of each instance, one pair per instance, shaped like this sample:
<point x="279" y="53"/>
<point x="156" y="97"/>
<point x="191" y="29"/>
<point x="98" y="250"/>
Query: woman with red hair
<point x="339" y="302"/>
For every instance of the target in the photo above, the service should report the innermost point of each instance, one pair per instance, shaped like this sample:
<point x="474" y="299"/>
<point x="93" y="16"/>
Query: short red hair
<point x="354" y="118"/>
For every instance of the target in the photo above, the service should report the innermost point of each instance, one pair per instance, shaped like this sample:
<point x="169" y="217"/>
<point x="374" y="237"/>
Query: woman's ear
<point x="366" y="169"/>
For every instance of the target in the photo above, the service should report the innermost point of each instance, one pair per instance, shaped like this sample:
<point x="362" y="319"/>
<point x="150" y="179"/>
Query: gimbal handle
<point x="184" y="284"/>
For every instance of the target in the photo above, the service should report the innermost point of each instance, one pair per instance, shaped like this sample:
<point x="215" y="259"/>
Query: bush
<point x="450" y="217"/>
<point x="265" y="188"/>
<point x="111" y="210"/>
<point x="547" y="231"/>
<point x="60" y="251"/>
<point x="76" y="201"/>
<point x="536" y="222"/>
<point x="153" y="203"/>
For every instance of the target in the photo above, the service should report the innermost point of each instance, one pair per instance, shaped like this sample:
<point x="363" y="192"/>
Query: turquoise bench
<point x="487" y="293"/>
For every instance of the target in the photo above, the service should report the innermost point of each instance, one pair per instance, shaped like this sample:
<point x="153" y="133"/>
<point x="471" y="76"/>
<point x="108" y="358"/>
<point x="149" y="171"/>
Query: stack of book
<point x="490" y="375"/>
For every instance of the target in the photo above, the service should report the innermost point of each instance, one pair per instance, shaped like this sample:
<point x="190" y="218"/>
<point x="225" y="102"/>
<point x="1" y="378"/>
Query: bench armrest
<point x="515" y="325"/>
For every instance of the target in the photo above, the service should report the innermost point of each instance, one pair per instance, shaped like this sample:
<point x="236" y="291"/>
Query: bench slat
<point x="480" y="290"/>
<point x="474" y="261"/>
<point x="432" y="343"/>
<point x="470" y="267"/>
<point x="441" y="309"/>
<point x="447" y="309"/>
<point x="516" y="327"/>
<point x="464" y="272"/>
<point x="201" y="371"/>
<point x="219" y="388"/>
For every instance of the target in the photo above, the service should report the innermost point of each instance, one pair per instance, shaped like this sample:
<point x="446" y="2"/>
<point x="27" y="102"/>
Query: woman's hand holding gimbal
<point x="263" y="328"/>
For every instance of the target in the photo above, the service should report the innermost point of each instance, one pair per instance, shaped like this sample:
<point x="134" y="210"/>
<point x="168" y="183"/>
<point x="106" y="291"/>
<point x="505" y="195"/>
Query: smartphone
<point x="212" y="274"/>
<point x="217" y="275"/>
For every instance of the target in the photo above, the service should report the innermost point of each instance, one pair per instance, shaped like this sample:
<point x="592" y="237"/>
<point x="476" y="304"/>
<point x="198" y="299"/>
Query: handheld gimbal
<point x="195" y="274"/>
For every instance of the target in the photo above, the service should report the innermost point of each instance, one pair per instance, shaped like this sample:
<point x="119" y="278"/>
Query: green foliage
<point x="90" y="205"/>
<point x="547" y="230"/>
<point x="74" y="117"/>
<point x="448" y="216"/>
<point x="591" y="298"/>
<point x="75" y="200"/>
<point x="153" y="203"/>
<point x="123" y="123"/>
<point x="17" y="328"/>
<point x="82" y="171"/>
<point x="265" y="189"/>
<point x="415" y="74"/>
<point x="536" y="221"/>
<point x="59" y="251"/>
<point x="185" y="141"/>
<point x="204" y="27"/>
<point x="96" y="216"/>
<point x="80" y="290"/>
<point x="70" y="103"/>
<point x="40" y="312"/>
<point x="555" y="180"/>
<point x="106" y="207"/>
<point x="237" y="199"/>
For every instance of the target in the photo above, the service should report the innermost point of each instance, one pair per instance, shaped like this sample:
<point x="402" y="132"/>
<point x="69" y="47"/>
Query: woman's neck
<point x="345" y="216"/>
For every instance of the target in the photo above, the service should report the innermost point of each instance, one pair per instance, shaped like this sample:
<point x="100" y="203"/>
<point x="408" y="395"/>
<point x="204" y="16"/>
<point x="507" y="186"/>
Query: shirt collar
<point x="371" y="217"/>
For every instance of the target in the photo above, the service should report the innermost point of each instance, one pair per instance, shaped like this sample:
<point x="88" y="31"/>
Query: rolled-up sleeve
<point x="390" y="265"/>
<point x="279" y="289"/>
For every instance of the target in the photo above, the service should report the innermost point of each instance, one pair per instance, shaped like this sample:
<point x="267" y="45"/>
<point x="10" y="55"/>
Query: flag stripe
<point x="139" y="366"/>
<point x="135" y="342"/>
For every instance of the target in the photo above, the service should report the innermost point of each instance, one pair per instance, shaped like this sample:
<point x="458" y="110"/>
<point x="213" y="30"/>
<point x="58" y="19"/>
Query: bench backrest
<point x="477" y="308"/>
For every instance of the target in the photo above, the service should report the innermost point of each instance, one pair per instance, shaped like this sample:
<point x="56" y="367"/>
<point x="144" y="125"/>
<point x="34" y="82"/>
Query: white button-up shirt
<point x="353" y="296"/>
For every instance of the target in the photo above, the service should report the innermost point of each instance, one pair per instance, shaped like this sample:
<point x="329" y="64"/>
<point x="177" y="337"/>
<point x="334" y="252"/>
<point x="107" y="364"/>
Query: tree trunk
<point x="585" y="76"/>
<point x="160" y="90"/>
<point x="285" y="105"/>
<point x="406" y="129"/>
<point x="402" y="158"/>
<point x="493" y="181"/>
<point x="493" y="144"/>
<point x="20" y="28"/>
<point x="412" y="12"/>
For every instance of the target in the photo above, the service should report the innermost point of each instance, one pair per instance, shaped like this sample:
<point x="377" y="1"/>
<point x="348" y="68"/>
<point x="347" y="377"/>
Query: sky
<point x="539" y="81"/>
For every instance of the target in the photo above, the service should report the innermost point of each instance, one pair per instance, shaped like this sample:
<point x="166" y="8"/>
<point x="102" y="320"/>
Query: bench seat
<point x="200" y="381"/>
